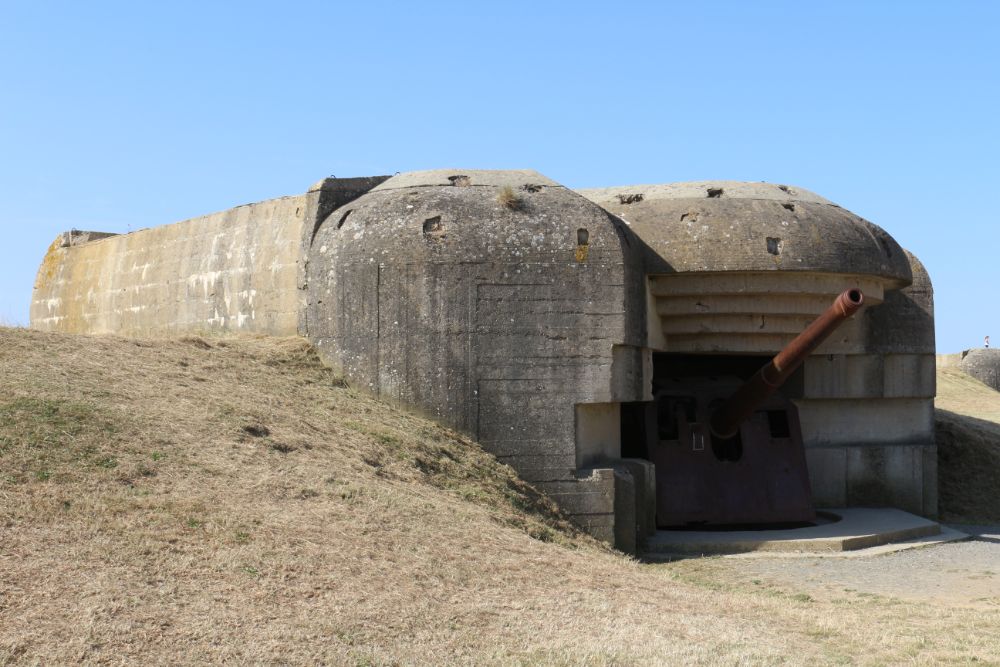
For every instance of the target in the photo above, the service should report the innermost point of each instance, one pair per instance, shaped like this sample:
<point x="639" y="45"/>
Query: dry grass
<point x="968" y="438"/>
<point x="968" y="468"/>
<point x="960" y="393"/>
<point x="209" y="500"/>
<point x="509" y="199"/>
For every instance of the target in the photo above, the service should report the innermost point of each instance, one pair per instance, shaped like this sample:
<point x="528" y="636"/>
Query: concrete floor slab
<point x="985" y="533"/>
<point x="858" y="530"/>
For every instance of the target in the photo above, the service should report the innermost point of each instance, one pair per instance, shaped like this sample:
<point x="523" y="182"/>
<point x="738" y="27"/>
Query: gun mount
<point x="731" y="452"/>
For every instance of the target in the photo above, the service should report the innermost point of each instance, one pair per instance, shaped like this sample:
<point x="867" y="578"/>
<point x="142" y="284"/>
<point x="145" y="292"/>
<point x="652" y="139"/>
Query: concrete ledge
<point x="946" y="535"/>
<point x="858" y="528"/>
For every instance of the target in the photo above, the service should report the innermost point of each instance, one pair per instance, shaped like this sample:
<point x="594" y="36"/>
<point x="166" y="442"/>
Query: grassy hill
<point x="207" y="500"/>
<point x="968" y="437"/>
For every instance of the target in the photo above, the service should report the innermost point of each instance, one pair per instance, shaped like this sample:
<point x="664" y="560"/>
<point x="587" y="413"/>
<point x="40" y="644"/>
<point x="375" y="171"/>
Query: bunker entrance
<point x="755" y="474"/>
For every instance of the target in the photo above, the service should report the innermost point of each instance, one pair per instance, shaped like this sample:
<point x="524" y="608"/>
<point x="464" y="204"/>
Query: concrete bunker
<point x="567" y="332"/>
<point x="734" y="272"/>
<point x="981" y="363"/>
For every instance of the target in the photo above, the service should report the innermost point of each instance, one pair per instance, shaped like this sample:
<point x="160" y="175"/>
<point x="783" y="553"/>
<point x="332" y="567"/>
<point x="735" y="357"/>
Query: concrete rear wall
<point x="238" y="270"/>
<point x="230" y="271"/>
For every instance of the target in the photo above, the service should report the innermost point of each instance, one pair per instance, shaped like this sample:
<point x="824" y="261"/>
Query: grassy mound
<point x="968" y="439"/>
<point x="968" y="468"/>
<point x="207" y="500"/>
<point x="120" y="420"/>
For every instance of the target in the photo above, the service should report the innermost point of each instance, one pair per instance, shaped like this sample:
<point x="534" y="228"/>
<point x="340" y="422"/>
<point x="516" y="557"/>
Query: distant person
<point x="987" y="342"/>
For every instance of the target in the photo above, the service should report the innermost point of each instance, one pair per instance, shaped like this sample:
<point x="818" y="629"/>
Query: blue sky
<point x="118" y="116"/>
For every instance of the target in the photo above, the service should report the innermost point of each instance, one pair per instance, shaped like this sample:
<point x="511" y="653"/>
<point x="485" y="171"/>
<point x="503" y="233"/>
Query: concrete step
<point x="837" y="531"/>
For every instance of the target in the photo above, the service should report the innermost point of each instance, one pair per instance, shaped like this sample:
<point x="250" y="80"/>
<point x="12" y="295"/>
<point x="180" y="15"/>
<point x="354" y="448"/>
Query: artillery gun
<point x="729" y="453"/>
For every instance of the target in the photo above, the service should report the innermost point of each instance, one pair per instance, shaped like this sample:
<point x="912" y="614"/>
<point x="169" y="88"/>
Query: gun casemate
<point x="740" y="459"/>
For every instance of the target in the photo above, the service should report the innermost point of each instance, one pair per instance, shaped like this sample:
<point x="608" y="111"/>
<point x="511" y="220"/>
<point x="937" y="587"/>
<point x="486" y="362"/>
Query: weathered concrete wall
<point x="238" y="270"/>
<point x="752" y="312"/>
<point x="230" y="271"/>
<point x="742" y="268"/>
<point x="498" y="303"/>
<point x="982" y="364"/>
<point x="870" y="416"/>
<point x="731" y="226"/>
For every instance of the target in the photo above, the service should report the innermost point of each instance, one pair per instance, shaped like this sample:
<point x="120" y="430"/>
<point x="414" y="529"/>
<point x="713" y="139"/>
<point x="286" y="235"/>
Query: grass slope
<point x="968" y="438"/>
<point x="190" y="501"/>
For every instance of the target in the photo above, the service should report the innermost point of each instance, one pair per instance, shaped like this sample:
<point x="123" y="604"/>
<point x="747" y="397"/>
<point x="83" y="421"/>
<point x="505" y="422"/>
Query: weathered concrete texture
<point x="77" y="237"/>
<point x="866" y="404"/>
<point x="855" y="376"/>
<point x="230" y="271"/>
<point x="625" y="195"/>
<point x="494" y="302"/>
<point x="731" y="226"/>
<point x="238" y="270"/>
<point x="643" y="475"/>
<point x="894" y="475"/>
<point x="887" y="421"/>
<point x="486" y="317"/>
<point x="982" y="364"/>
<point x="626" y="505"/>
<point x="524" y="180"/>
<point x="719" y="253"/>
<point x="904" y="323"/>
<point x="598" y="433"/>
<point x="868" y="419"/>
<point x="590" y="497"/>
<point x="751" y="312"/>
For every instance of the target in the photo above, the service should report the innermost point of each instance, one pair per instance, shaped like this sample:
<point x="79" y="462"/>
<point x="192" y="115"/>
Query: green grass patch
<point x="51" y="439"/>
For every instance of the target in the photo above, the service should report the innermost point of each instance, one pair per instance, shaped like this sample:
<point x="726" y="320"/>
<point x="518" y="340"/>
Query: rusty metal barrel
<point x="726" y="420"/>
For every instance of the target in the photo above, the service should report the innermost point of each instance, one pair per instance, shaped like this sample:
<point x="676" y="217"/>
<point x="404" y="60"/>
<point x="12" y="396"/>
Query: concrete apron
<point x="858" y="532"/>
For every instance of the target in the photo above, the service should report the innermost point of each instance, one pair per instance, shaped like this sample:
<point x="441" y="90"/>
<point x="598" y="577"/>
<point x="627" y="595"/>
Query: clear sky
<point x="122" y="115"/>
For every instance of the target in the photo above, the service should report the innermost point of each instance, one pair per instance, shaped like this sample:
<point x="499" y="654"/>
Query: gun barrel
<point x="725" y="422"/>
